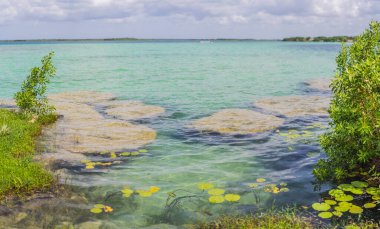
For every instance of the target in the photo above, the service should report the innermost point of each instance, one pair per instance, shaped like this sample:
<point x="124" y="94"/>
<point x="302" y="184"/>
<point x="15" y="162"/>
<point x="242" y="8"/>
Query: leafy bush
<point x="32" y="99"/>
<point x="353" y="143"/>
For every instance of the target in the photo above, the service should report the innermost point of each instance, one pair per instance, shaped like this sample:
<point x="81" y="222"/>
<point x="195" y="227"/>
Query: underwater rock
<point x="130" y="110"/>
<point x="237" y="121"/>
<point x="293" y="106"/>
<point x="322" y="84"/>
<point x="81" y="97"/>
<point x="98" y="136"/>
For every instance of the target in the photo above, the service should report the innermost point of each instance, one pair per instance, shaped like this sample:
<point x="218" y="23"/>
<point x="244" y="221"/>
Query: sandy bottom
<point x="319" y="84"/>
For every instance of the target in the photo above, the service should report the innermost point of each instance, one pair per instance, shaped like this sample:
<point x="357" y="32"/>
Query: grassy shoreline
<point x="19" y="174"/>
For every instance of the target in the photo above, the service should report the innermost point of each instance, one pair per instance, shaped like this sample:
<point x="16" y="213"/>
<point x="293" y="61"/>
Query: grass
<point x="19" y="174"/>
<point x="284" y="219"/>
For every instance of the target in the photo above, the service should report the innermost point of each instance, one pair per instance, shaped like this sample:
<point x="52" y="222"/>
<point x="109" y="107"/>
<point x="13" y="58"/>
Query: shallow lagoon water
<point x="190" y="80"/>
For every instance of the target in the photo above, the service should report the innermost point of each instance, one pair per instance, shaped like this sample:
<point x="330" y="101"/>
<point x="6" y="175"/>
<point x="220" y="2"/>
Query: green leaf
<point x="325" y="215"/>
<point x="216" y="199"/>
<point x="216" y="192"/>
<point x="320" y="206"/>
<point x="359" y="184"/>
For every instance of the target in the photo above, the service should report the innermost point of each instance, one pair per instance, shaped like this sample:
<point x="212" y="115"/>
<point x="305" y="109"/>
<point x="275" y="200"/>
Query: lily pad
<point x="127" y="192"/>
<point x="320" y="206"/>
<point x="336" y="192"/>
<point x="345" y="187"/>
<point x="325" y="215"/>
<point x="337" y="213"/>
<point x="360" y="184"/>
<point x="330" y="202"/>
<point x="373" y="191"/>
<point x="344" y="198"/>
<point x="232" y="197"/>
<point x="253" y="185"/>
<point x="342" y="208"/>
<point x="216" y="199"/>
<point x="356" y="209"/>
<point x="356" y="191"/>
<point x="125" y="154"/>
<point x="144" y="193"/>
<point x="96" y="210"/>
<point x="135" y="153"/>
<point x="345" y="204"/>
<point x="143" y="151"/>
<point x="99" y="206"/>
<point x="369" y="205"/>
<point x="154" y="189"/>
<point x="205" y="186"/>
<point x="216" y="192"/>
<point x="260" y="180"/>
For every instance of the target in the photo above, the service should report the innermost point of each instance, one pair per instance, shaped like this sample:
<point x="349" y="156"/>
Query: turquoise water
<point x="190" y="80"/>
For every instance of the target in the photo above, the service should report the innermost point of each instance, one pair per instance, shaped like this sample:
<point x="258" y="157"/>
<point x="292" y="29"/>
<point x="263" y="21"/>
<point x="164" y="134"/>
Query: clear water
<point x="190" y="80"/>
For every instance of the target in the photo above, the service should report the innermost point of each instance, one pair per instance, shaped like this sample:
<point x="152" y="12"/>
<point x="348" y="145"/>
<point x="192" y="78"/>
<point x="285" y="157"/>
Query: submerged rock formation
<point x="130" y="110"/>
<point x="322" y="84"/>
<point x="237" y="121"/>
<point x="292" y="106"/>
<point x="82" y="129"/>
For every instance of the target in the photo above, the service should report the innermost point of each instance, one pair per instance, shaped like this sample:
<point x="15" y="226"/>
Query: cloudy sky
<point x="261" y="19"/>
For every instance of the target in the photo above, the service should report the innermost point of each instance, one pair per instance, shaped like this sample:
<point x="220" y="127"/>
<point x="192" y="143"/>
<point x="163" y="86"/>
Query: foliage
<point x="353" y="142"/>
<point x="32" y="99"/>
<point x="320" y="39"/>
<point x="19" y="175"/>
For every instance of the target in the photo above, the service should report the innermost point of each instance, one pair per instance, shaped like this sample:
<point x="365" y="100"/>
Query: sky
<point x="183" y="19"/>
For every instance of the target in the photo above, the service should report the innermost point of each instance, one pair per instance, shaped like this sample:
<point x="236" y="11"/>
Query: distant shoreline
<point x="288" y="39"/>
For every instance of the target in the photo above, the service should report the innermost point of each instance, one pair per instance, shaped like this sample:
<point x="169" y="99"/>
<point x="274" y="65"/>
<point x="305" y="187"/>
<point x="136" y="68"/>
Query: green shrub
<point x="353" y="143"/>
<point x="32" y="99"/>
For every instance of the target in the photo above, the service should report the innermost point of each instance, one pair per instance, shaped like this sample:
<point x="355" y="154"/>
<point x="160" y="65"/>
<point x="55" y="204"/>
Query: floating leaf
<point x="373" y="191"/>
<point x="320" y="206"/>
<point x="135" y="153"/>
<point x="127" y="191"/>
<point x="356" y="209"/>
<point x="369" y="205"/>
<point x="232" y="197"/>
<point x="216" y="199"/>
<point x="99" y="206"/>
<point x="344" y="198"/>
<point x="345" y="204"/>
<point x="205" y="186"/>
<point x="312" y="154"/>
<point x="284" y="190"/>
<point x="144" y="193"/>
<point x="89" y="167"/>
<point x="360" y="184"/>
<point x="125" y="154"/>
<point x="283" y="184"/>
<point x="143" y="151"/>
<point x="342" y="208"/>
<point x="337" y="213"/>
<point x="154" y="189"/>
<point x="216" y="192"/>
<point x="260" y="180"/>
<point x="96" y="210"/>
<point x="376" y="197"/>
<point x="85" y="161"/>
<point x="325" y="215"/>
<point x="356" y="191"/>
<point x="345" y="187"/>
<point x="253" y="185"/>
<point x="330" y="202"/>
<point x="352" y="227"/>
<point x="113" y="155"/>
<point x="336" y="192"/>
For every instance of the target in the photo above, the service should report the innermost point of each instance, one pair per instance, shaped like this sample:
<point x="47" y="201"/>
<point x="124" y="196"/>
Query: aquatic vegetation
<point x="100" y="208"/>
<point x="369" y="205"/>
<point x="325" y="215"/>
<point x="260" y="180"/>
<point x="205" y="186"/>
<point x="127" y="192"/>
<point x="216" y="199"/>
<point x="216" y="191"/>
<point x="232" y="197"/>
<point x="330" y="202"/>
<point x="144" y="193"/>
<point x="320" y="206"/>
<point x="154" y="189"/>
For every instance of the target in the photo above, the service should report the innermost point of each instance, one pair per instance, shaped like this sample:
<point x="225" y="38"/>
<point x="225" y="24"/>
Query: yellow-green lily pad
<point x="125" y="154"/>
<point x="356" y="209"/>
<point x="216" y="192"/>
<point x="330" y="202"/>
<point x="369" y="205"/>
<point x="360" y="184"/>
<point x="135" y="153"/>
<point x="342" y="208"/>
<point x="205" y="186"/>
<point x="345" y="187"/>
<point x="127" y="191"/>
<point x="336" y="192"/>
<point x="344" y="198"/>
<point x="99" y="206"/>
<point x="320" y="206"/>
<point x="325" y="215"/>
<point x="216" y="199"/>
<point x="232" y="197"/>
<point x="373" y="191"/>
<point x="96" y="210"/>
<point x="143" y="151"/>
<point x="260" y="180"/>
<point x="144" y="193"/>
<point x="356" y="191"/>
<point x="337" y="213"/>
